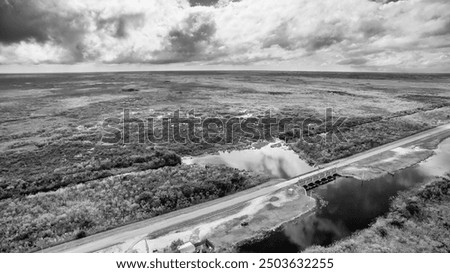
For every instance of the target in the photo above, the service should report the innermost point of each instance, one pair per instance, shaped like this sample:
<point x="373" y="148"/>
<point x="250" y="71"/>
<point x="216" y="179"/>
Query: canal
<point x="348" y="205"/>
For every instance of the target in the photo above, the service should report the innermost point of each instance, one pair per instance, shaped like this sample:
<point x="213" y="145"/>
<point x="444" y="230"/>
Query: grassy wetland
<point x="59" y="181"/>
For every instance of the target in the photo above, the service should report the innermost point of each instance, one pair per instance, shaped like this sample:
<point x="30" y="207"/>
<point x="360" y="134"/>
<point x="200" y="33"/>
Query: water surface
<point x="351" y="205"/>
<point x="276" y="160"/>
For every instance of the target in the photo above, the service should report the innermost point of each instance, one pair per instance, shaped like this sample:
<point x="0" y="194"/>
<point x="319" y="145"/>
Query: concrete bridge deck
<point x="318" y="178"/>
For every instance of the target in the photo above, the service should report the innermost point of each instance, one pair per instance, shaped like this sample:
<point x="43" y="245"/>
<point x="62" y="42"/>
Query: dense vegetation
<point x="58" y="182"/>
<point x="358" y="138"/>
<point x="359" y="134"/>
<point x="44" y="219"/>
<point x="418" y="221"/>
<point x="66" y="163"/>
<point x="314" y="145"/>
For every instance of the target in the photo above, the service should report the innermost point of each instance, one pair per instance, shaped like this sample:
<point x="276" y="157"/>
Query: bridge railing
<point x="318" y="176"/>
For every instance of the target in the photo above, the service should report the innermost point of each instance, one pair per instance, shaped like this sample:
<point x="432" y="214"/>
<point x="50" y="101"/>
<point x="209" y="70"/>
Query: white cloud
<point x="364" y="34"/>
<point x="34" y="53"/>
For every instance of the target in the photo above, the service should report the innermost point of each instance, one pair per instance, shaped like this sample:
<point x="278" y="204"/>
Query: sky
<point x="302" y="35"/>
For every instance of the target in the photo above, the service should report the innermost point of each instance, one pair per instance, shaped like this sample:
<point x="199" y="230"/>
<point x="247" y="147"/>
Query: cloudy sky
<point x="343" y="35"/>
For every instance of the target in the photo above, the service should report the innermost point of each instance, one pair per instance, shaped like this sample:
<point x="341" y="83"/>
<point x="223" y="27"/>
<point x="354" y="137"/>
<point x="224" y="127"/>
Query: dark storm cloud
<point x="34" y="21"/>
<point x="121" y="24"/>
<point x="30" y="21"/>
<point x="22" y="20"/>
<point x="280" y="37"/>
<point x="323" y="41"/>
<point x="328" y="35"/>
<point x="385" y="1"/>
<point x="206" y="3"/>
<point x="328" y="32"/>
<point x="203" y="2"/>
<point x="192" y="40"/>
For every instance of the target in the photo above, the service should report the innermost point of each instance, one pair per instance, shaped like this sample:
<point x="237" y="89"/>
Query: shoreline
<point x="430" y="147"/>
<point x="261" y="215"/>
<point x="89" y="243"/>
<point x="417" y="222"/>
<point x="419" y="152"/>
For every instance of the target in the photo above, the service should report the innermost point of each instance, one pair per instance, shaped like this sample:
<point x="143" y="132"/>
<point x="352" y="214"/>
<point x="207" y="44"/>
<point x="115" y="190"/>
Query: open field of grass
<point x="51" y="129"/>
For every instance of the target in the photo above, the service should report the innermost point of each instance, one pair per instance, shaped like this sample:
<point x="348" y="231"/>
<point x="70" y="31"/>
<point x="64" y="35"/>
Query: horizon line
<point x="226" y="70"/>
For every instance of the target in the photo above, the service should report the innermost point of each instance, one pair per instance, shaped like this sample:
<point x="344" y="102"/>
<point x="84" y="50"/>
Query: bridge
<point x="125" y="234"/>
<point x="318" y="179"/>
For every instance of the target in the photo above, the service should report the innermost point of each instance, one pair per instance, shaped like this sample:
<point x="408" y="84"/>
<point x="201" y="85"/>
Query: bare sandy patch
<point x="385" y="163"/>
<point x="224" y="230"/>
